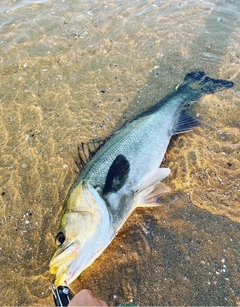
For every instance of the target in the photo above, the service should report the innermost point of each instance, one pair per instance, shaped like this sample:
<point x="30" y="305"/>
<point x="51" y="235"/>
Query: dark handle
<point x="62" y="295"/>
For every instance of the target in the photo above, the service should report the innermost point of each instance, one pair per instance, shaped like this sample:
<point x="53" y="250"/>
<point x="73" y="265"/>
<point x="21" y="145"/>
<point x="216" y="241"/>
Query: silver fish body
<point x="125" y="172"/>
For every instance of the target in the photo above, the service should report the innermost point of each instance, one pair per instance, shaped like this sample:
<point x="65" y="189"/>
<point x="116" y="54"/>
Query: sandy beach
<point x="75" y="71"/>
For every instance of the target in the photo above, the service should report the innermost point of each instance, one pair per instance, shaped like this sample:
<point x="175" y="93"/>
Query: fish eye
<point x="60" y="238"/>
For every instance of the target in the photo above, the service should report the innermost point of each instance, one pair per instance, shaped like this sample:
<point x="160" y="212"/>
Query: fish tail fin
<point x="199" y="81"/>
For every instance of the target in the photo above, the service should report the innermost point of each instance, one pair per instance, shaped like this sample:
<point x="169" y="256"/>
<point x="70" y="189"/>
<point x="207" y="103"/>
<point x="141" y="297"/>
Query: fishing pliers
<point x="62" y="295"/>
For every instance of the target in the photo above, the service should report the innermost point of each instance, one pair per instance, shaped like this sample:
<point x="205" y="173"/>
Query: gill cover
<point x="86" y="226"/>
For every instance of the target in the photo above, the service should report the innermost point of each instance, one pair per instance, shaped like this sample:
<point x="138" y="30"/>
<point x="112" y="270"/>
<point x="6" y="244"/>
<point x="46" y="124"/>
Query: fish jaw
<point x="61" y="265"/>
<point x="86" y="224"/>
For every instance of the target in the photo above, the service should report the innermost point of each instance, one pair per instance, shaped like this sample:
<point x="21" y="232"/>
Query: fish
<point x="123" y="174"/>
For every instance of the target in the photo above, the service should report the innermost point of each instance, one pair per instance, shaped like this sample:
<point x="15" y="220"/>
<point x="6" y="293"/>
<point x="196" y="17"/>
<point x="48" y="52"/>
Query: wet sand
<point x="78" y="72"/>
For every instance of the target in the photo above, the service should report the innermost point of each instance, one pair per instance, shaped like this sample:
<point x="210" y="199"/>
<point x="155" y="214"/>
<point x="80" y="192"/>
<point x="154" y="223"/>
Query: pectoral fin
<point x="117" y="175"/>
<point x="151" y="188"/>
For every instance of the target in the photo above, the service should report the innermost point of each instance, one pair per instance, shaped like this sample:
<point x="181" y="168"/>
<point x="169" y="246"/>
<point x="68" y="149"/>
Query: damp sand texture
<point x="76" y="71"/>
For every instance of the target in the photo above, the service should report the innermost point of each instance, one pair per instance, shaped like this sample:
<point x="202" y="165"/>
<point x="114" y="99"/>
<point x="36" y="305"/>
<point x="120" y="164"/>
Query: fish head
<point x="85" y="229"/>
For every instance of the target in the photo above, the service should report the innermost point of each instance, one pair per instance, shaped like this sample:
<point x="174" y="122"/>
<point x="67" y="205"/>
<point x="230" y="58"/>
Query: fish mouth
<point x="59" y="252"/>
<point x="61" y="261"/>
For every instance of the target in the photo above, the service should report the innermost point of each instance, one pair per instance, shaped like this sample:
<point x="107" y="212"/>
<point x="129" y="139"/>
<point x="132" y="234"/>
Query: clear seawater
<point x="72" y="71"/>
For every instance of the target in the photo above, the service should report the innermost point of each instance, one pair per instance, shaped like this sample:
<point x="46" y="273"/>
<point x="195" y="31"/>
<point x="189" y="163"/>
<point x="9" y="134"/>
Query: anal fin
<point x="186" y="122"/>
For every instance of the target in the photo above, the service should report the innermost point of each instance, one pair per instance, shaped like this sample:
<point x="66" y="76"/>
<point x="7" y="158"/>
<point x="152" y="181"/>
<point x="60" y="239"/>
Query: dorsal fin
<point x="117" y="175"/>
<point x="86" y="151"/>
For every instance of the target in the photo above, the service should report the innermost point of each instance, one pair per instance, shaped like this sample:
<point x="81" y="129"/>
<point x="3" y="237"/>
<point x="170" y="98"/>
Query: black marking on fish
<point x="86" y="151"/>
<point x="117" y="175"/>
<point x="186" y="122"/>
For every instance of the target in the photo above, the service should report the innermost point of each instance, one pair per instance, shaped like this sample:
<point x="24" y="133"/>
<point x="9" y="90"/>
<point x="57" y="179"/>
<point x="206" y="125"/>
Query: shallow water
<point x="72" y="71"/>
